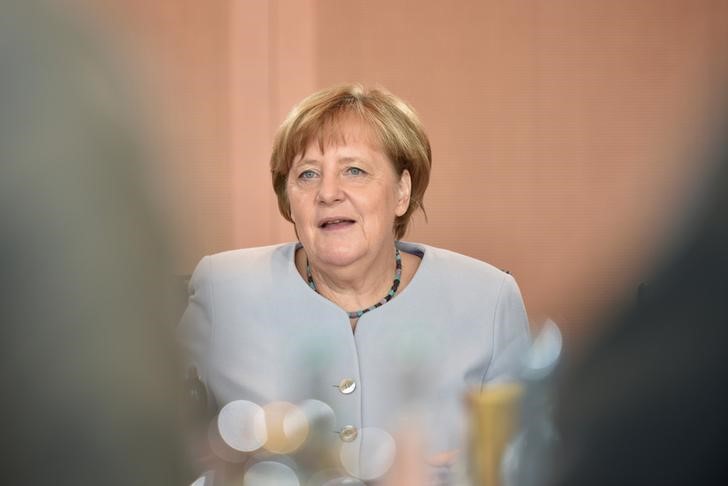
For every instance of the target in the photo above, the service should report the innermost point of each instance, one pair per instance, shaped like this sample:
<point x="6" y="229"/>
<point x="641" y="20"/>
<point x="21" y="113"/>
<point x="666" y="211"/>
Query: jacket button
<point x="347" y="385"/>
<point x="348" y="433"/>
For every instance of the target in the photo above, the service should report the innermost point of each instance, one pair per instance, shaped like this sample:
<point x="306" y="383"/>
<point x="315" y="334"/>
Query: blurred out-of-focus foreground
<point x="568" y="141"/>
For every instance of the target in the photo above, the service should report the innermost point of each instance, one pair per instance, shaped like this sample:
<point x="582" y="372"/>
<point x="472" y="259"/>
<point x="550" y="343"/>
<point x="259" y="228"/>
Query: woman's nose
<point x="330" y="189"/>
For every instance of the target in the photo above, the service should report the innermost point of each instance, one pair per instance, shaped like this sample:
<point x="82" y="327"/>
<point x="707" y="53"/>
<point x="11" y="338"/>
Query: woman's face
<point x="344" y="199"/>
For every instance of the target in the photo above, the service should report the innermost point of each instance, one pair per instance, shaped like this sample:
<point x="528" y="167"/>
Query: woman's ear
<point x="404" y="189"/>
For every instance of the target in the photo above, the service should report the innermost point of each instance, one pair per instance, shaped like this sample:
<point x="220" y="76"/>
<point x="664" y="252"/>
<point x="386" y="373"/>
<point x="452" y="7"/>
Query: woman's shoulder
<point x="234" y="264"/>
<point x="447" y="262"/>
<point x="461" y="279"/>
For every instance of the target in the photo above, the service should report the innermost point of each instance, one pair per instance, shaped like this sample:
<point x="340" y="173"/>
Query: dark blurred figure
<point x="87" y="364"/>
<point x="648" y="403"/>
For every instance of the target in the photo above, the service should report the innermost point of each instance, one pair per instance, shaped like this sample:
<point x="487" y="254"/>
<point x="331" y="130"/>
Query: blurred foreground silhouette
<point x="646" y="403"/>
<point x="87" y="362"/>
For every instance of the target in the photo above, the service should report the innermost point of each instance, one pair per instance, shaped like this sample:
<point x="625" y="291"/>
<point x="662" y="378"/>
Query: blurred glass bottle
<point x="512" y="436"/>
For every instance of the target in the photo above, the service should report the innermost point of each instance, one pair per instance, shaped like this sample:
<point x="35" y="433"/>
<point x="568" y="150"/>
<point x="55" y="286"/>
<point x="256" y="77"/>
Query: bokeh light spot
<point x="242" y="425"/>
<point x="287" y="427"/>
<point x="370" y="455"/>
<point x="269" y="473"/>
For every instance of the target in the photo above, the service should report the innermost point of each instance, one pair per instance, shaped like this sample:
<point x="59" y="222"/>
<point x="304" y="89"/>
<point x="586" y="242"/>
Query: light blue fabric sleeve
<point x="195" y="329"/>
<point x="511" y="335"/>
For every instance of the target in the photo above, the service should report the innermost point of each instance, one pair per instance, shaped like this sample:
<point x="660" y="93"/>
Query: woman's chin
<point x="338" y="256"/>
<point x="339" y="260"/>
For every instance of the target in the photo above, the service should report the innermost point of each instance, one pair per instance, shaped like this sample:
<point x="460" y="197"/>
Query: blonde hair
<point x="393" y="122"/>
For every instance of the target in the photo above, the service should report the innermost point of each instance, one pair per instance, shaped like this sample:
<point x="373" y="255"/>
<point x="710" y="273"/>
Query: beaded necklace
<point x="392" y="292"/>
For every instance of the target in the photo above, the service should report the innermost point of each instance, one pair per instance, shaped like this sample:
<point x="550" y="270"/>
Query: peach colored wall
<point x="553" y="124"/>
<point x="557" y="125"/>
<point x="179" y="54"/>
<point x="273" y="67"/>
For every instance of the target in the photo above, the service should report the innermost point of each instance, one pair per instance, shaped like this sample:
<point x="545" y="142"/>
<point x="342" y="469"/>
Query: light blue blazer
<point x="256" y="331"/>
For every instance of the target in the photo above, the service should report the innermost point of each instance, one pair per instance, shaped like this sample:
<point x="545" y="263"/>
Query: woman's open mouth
<point x="335" y="223"/>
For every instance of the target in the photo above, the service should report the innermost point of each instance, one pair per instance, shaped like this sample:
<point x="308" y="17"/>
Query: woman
<point x="378" y="329"/>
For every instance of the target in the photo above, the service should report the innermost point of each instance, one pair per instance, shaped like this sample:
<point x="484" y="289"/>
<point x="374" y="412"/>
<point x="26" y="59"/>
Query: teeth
<point x="334" y="221"/>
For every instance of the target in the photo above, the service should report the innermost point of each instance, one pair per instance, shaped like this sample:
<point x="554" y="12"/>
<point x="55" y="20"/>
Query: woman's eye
<point x="355" y="171"/>
<point x="307" y="174"/>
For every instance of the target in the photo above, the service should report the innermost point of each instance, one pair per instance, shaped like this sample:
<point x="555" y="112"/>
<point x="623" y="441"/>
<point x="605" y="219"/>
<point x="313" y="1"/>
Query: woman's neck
<point x="356" y="286"/>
